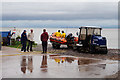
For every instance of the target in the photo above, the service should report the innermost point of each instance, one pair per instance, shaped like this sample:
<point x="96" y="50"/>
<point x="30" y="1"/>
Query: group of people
<point x="24" y="38"/>
<point x="44" y="38"/>
<point x="58" y="34"/>
<point x="29" y="38"/>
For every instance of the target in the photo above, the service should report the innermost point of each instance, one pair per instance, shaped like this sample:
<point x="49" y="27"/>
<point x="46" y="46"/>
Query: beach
<point x="112" y="57"/>
<point x="91" y="65"/>
<point x="113" y="54"/>
<point x="86" y="53"/>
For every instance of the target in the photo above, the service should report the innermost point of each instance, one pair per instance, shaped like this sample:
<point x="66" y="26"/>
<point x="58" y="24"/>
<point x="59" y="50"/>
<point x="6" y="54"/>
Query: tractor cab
<point x="87" y="32"/>
<point x="90" y="37"/>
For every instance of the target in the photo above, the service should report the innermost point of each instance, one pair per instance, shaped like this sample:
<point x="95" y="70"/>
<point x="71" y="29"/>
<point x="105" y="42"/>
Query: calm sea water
<point x="110" y="34"/>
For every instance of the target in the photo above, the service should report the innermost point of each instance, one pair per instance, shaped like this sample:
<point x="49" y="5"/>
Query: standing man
<point x="44" y="39"/>
<point x="30" y="40"/>
<point x="23" y="41"/>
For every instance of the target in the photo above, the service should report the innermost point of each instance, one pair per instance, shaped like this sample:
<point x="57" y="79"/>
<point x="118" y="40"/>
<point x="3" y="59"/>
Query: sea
<point x="110" y="33"/>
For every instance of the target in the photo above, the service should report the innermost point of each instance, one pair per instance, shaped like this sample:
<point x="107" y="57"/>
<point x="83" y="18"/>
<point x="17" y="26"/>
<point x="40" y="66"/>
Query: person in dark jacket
<point x="23" y="41"/>
<point x="44" y="39"/>
<point x="9" y="38"/>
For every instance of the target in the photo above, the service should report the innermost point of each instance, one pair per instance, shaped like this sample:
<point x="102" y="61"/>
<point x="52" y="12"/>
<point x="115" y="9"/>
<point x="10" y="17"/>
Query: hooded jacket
<point x="23" y="37"/>
<point x="44" y="36"/>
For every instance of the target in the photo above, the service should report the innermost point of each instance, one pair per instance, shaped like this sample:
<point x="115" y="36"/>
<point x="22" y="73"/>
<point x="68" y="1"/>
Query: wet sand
<point x="58" y="61"/>
<point x="55" y="66"/>
<point x="111" y="55"/>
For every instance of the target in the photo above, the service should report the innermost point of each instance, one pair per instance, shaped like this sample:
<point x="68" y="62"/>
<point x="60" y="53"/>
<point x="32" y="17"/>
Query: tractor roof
<point x="92" y="27"/>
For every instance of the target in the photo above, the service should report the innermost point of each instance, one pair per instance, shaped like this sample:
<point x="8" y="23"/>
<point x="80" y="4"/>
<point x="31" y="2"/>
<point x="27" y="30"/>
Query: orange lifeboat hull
<point x="60" y="40"/>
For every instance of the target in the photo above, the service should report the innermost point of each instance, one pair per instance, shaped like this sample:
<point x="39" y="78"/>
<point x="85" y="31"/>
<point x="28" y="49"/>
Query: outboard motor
<point x="70" y="37"/>
<point x="70" y="40"/>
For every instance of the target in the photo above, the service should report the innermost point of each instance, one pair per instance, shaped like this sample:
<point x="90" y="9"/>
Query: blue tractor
<point x="90" y="39"/>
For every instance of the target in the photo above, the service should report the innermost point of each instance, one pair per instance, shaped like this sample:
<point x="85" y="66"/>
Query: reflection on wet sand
<point x="59" y="59"/>
<point x="84" y="61"/>
<point x="81" y="61"/>
<point x="89" y="67"/>
<point x="70" y="59"/>
<point x="44" y="63"/>
<point x="23" y="64"/>
<point x="97" y="67"/>
<point x="30" y="64"/>
<point x="27" y="65"/>
<point x="63" y="64"/>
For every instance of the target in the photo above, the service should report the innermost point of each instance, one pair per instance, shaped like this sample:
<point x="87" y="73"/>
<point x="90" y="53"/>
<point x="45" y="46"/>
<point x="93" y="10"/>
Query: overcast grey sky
<point x="58" y="14"/>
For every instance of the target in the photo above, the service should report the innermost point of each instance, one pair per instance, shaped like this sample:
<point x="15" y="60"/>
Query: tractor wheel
<point x="105" y="50"/>
<point x="92" y="49"/>
<point x="80" y="49"/>
<point x="74" y="48"/>
<point x="69" y="46"/>
<point x="55" y="46"/>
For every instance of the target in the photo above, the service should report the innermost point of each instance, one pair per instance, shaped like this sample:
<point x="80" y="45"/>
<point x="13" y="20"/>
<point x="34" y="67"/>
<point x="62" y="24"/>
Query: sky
<point x="59" y="14"/>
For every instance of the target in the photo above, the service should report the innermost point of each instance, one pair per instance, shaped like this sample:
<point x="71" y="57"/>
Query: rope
<point x="19" y="46"/>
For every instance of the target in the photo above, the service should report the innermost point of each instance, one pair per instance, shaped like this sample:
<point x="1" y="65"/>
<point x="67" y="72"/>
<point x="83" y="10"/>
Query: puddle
<point x="56" y="66"/>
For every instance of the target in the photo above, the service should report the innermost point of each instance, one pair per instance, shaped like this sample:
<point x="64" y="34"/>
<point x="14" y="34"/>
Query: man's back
<point x="44" y="36"/>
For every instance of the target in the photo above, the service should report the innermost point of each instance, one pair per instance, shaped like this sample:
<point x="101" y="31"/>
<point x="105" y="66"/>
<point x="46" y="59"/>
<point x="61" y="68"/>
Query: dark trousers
<point x="23" y="46"/>
<point x="44" y="46"/>
<point x="8" y="42"/>
<point x="29" y="45"/>
<point x="0" y="45"/>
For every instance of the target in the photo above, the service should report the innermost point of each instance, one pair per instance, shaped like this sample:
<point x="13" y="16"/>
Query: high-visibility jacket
<point x="63" y="35"/>
<point x="58" y="34"/>
<point x="57" y="60"/>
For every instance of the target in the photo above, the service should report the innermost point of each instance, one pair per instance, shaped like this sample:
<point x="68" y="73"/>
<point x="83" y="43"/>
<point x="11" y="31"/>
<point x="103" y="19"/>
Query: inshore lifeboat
<point x="60" y="40"/>
<point x="53" y="38"/>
